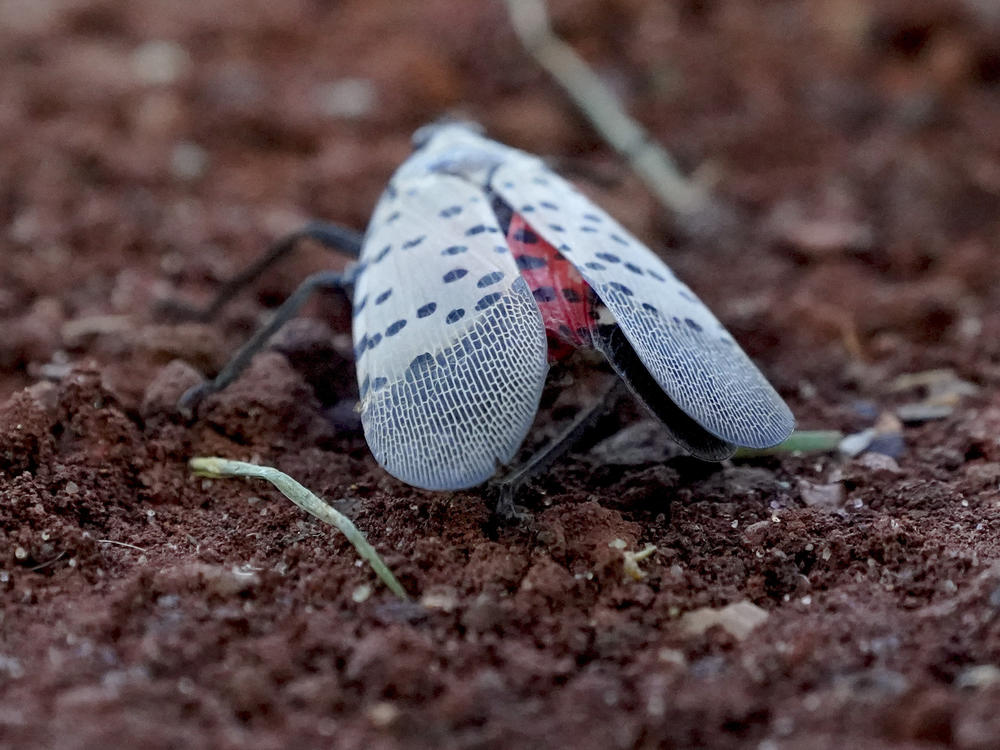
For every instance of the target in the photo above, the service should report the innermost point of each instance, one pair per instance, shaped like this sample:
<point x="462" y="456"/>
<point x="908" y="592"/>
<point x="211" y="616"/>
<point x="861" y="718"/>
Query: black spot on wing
<point x="529" y="262"/>
<point x="489" y="279"/>
<point x="487" y="300"/>
<point x="427" y="309"/>
<point x="360" y="305"/>
<point x="544" y="294"/>
<point x="395" y="328"/>
<point x="454" y="275"/>
<point x="421" y="362"/>
<point x="455" y="315"/>
<point x="526" y="236"/>
<point x="455" y="250"/>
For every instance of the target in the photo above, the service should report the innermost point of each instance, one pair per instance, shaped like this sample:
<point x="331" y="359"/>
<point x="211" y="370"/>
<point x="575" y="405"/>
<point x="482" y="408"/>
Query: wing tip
<point x="436" y="481"/>
<point x="762" y="434"/>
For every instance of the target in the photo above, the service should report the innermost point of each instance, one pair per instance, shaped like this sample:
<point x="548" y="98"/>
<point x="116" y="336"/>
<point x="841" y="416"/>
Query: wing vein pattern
<point x="450" y="345"/>
<point x="688" y="352"/>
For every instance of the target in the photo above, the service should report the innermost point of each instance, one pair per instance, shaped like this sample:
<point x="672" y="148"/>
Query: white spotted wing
<point x="451" y="347"/>
<point x="685" y="348"/>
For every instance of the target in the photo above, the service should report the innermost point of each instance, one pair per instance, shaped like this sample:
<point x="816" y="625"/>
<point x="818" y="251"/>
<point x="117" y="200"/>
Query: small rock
<point x="857" y="443"/>
<point x="167" y="387"/>
<point x="382" y="714"/>
<point x="738" y="619"/>
<point x="443" y="598"/>
<point x="214" y="580"/>
<point x="671" y="656"/>
<point x="347" y="98"/>
<point x="885" y="437"/>
<point x="819" y="236"/>
<point x="923" y="412"/>
<point x="160" y="62"/>
<point x="878" y="463"/>
<point x="985" y="474"/>
<point x="825" y="495"/>
<point x="483" y="614"/>
<point x="872" y="684"/>
<point x="757" y="532"/>
<point x="644" y="442"/>
<point x="82" y="332"/>
<point x="35" y="336"/>
<point x="978" y="677"/>
<point x="827" y="236"/>
<point x="188" y="161"/>
<point x="45" y="395"/>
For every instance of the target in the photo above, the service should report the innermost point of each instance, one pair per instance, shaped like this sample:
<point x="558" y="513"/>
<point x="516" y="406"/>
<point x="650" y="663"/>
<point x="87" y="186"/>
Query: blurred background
<point x="150" y="149"/>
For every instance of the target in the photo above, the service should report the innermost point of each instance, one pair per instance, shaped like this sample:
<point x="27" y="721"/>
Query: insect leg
<point x="331" y="236"/>
<point x="684" y="430"/>
<point x="507" y="486"/>
<point x="189" y="402"/>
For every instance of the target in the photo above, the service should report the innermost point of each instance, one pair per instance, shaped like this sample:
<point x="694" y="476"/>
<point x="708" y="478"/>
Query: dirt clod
<point x="151" y="150"/>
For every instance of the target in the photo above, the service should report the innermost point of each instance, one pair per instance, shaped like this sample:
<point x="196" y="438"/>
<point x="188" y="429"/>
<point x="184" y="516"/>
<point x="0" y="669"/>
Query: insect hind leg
<point x="189" y="402"/>
<point x="330" y="236"/>
<point x="506" y="487"/>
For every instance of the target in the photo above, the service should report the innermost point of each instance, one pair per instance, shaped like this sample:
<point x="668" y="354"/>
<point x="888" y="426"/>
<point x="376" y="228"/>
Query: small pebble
<point x="160" y="62"/>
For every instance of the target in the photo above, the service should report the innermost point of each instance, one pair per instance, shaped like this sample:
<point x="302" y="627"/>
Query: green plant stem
<point x="218" y="468"/>
<point x="802" y="441"/>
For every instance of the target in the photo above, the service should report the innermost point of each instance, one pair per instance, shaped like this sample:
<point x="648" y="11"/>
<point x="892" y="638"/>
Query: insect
<point x="479" y="266"/>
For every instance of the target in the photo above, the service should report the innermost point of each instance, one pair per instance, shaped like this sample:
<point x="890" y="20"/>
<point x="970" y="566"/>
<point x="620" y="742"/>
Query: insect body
<point x="563" y="297"/>
<point x="479" y="265"/>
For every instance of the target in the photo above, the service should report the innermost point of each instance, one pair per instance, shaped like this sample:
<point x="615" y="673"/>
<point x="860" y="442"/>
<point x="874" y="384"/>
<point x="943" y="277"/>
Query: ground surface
<point x="140" y="606"/>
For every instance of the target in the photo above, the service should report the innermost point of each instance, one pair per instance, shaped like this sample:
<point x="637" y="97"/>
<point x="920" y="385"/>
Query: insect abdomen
<point x="563" y="297"/>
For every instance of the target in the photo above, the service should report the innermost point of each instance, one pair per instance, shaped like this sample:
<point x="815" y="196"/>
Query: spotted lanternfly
<point x="479" y="267"/>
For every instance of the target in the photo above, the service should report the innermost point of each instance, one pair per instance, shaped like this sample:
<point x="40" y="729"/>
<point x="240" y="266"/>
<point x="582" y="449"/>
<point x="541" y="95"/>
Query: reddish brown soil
<point x="142" y="607"/>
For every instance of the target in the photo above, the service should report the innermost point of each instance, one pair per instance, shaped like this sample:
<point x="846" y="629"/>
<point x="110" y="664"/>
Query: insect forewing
<point x="451" y="347"/>
<point x="688" y="352"/>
